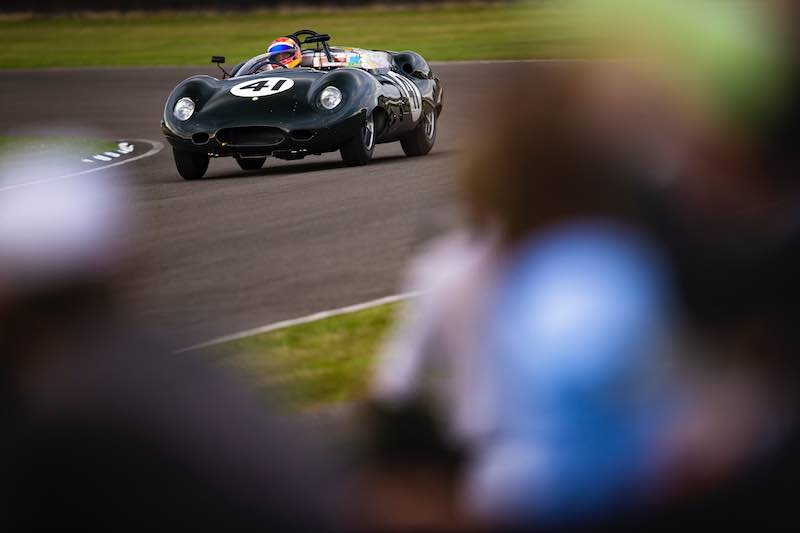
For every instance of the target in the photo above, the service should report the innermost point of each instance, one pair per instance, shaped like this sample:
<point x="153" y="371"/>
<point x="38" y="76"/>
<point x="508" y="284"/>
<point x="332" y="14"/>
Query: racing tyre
<point x="420" y="141"/>
<point x="251" y="163"/>
<point x="359" y="149"/>
<point x="190" y="165"/>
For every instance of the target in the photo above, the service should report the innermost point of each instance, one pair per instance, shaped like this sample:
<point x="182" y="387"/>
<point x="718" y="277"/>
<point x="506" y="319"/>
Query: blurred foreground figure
<point x="732" y="70"/>
<point x="548" y="316"/>
<point x="101" y="429"/>
<point x="613" y="338"/>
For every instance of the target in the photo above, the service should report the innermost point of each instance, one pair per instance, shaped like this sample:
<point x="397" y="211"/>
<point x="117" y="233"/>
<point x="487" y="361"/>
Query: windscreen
<point x="261" y="63"/>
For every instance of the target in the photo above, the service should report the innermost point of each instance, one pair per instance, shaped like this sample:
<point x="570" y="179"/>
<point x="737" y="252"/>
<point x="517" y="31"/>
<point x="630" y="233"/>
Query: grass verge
<point x="317" y="364"/>
<point x="526" y="29"/>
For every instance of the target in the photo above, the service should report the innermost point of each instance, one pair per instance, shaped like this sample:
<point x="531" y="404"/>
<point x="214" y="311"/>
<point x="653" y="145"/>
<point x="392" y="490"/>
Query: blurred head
<point x="62" y="248"/>
<point x="285" y="51"/>
<point x="548" y="160"/>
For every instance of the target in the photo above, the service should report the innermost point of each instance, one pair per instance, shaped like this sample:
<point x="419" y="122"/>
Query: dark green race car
<point x="345" y="99"/>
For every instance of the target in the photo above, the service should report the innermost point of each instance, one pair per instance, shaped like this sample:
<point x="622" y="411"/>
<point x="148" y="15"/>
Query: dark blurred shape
<point x="408" y="472"/>
<point x="127" y="437"/>
<point x="757" y="498"/>
<point x="103" y="429"/>
<point x="409" y="435"/>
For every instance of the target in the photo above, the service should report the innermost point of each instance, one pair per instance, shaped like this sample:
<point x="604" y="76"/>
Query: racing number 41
<point x="271" y="85"/>
<point x="262" y="87"/>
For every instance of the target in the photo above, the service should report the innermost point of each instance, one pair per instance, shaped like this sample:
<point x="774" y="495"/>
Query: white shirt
<point x="443" y="327"/>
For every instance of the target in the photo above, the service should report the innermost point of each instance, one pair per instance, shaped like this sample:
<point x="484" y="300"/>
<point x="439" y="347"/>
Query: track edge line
<point x="314" y="317"/>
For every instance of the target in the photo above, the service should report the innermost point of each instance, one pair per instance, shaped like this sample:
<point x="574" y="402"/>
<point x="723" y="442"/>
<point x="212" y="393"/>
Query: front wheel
<point x="359" y="149"/>
<point x="251" y="163"/>
<point x="420" y="141"/>
<point x="190" y="165"/>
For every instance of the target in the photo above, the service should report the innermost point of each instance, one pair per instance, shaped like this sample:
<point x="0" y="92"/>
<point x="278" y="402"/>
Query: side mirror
<point x="219" y="60"/>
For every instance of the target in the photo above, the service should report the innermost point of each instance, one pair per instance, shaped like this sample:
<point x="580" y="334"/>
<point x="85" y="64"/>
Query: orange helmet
<point x="285" y="51"/>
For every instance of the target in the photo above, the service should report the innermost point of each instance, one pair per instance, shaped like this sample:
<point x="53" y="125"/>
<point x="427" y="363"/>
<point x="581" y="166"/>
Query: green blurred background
<point x="513" y="30"/>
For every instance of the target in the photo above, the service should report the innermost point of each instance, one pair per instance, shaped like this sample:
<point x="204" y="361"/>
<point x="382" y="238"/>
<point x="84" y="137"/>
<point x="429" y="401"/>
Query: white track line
<point x="123" y="148"/>
<point x="157" y="146"/>
<point x="302" y="320"/>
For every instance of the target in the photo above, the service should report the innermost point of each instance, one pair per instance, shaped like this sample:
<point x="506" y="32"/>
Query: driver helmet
<point x="285" y="51"/>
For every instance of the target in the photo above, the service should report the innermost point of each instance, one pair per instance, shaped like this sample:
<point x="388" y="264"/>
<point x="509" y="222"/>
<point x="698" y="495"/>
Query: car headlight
<point x="330" y="97"/>
<point x="183" y="108"/>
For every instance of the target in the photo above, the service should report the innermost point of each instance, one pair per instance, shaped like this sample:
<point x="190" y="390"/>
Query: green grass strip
<point x="316" y="364"/>
<point x="521" y="30"/>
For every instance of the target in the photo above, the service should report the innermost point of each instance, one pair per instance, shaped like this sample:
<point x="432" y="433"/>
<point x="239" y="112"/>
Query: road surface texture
<point x="238" y="249"/>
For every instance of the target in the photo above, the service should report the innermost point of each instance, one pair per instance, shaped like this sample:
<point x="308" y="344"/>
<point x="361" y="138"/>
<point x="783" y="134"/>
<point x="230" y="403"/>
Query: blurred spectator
<point x="576" y="334"/>
<point x="548" y="315"/>
<point x="104" y="430"/>
<point x="734" y="238"/>
<point x="617" y="323"/>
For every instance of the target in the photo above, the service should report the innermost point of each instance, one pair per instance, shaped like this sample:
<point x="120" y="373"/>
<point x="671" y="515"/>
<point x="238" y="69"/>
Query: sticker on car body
<point x="262" y="87"/>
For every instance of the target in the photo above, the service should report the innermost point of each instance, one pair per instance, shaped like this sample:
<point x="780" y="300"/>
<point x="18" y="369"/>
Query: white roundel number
<point x="262" y="87"/>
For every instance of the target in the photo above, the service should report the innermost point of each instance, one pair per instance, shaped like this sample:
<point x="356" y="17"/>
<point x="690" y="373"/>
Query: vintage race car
<point x="345" y="99"/>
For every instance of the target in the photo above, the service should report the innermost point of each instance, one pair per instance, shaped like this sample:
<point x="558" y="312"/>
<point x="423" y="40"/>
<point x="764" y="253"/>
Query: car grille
<point x="251" y="136"/>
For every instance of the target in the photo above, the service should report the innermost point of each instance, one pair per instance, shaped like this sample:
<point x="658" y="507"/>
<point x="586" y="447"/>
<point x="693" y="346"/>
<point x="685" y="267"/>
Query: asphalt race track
<point x="238" y="249"/>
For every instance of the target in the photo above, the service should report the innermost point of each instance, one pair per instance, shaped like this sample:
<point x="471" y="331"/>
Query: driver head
<point x="285" y="51"/>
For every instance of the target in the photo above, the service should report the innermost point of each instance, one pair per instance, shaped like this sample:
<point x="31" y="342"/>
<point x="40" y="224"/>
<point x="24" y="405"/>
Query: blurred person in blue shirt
<point x="576" y="329"/>
<point x="548" y="316"/>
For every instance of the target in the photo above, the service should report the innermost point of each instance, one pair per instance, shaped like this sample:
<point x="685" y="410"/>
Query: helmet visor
<point x="281" y="56"/>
